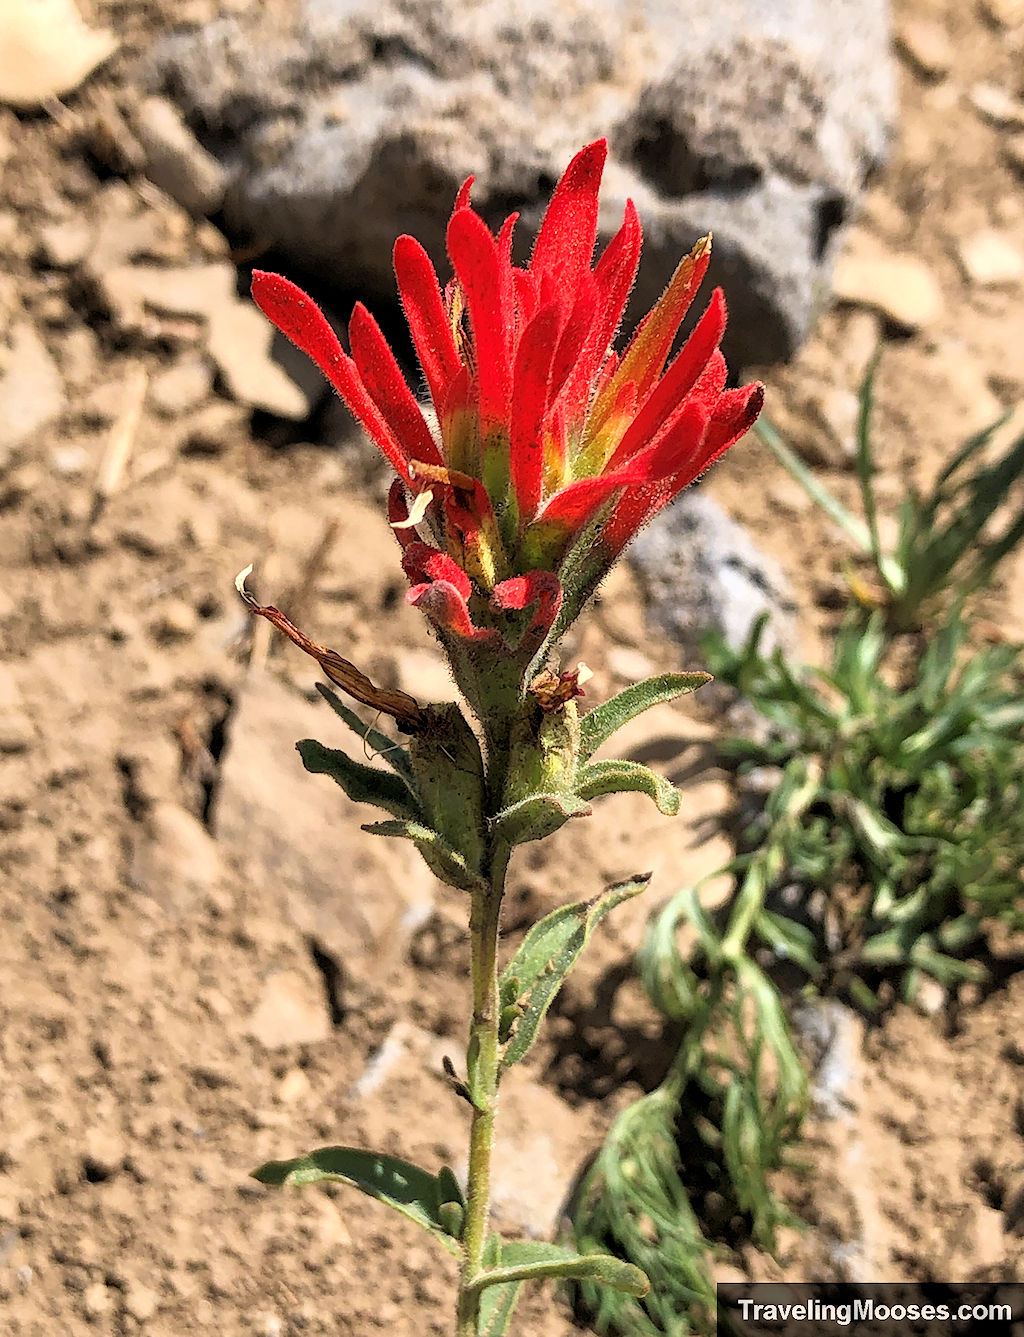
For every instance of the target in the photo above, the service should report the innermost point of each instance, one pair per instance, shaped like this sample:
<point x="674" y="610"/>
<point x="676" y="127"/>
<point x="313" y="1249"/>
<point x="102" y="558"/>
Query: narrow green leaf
<point x="599" y="724"/>
<point x="548" y="953"/>
<point x="773" y="1028"/>
<point x="864" y="462"/>
<point x="410" y="1190"/>
<point x="667" y="978"/>
<point x="536" y="817"/>
<point x="396" y="756"/>
<point x="497" y="1305"/>
<point x="946" y="969"/>
<point x="853" y="528"/>
<point x="959" y="933"/>
<point x="530" y="1260"/>
<point x="790" y="940"/>
<point x="993" y="553"/>
<point x="617" y="777"/>
<point x="967" y="451"/>
<point x="363" y="784"/>
<point x="441" y="859"/>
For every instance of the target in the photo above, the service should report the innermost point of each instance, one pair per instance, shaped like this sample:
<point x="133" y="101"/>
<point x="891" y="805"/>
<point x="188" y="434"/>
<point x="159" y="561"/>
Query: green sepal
<point x="444" y="862"/>
<point x="449" y="1187"/>
<point x="533" y="1260"/>
<point x="599" y="724"/>
<point x="616" y="777"/>
<point x="452" y="1216"/>
<point x="510" y="1008"/>
<point x="543" y="752"/>
<point x="548" y="953"/>
<point x="386" y="748"/>
<point x="407" y="1188"/>
<point x="507" y="1021"/>
<point x="536" y="817"/>
<point x="363" y="784"/>
<point x="450" y="783"/>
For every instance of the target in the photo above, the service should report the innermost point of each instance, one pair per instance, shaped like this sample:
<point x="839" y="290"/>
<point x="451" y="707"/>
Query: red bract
<point x="550" y="451"/>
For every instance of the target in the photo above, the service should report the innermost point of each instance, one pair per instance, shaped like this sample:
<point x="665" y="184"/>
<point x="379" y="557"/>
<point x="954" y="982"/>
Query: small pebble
<point x="16" y="733"/>
<point x="69" y="461"/>
<point x="175" y="620"/>
<point x="989" y="260"/>
<point x="1004" y="13"/>
<point x="96" y="1300"/>
<point x="66" y="244"/>
<point x="900" y="286"/>
<point x="294" y="1085"/>
<point x="211" y="430"/>
<point x="1013" y="150"/>
<point x="930" y="997"/>
<point x="176" y="161"/>
<point x="141" y="1302"/>
<point x="628" y="664"/>
<point x="182" y="387"/>
<point x="926" y="47"/>
<point x="997" y="106"/>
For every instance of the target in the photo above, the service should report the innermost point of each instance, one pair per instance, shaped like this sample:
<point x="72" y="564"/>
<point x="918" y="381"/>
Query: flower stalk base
<point x="550" y="451"/>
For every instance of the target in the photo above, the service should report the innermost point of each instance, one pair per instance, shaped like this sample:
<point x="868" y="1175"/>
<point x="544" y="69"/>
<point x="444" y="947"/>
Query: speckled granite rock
<point x="351" y="122"/>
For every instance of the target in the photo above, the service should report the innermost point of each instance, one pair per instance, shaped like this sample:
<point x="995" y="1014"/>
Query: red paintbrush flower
<point x="551" y="450"/>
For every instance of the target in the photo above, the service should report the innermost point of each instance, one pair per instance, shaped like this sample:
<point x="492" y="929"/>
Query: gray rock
<point x="356" y="121"/>
<point x="702" y="572"/>
<point x="832" y="1036"/>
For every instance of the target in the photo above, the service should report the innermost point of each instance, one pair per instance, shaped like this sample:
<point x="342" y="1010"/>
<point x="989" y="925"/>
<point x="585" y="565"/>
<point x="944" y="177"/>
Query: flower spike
<point x="551" y="450"/>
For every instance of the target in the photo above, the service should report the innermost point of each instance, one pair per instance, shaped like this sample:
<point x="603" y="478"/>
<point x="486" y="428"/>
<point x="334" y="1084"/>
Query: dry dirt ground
<point x="172" y="1011"/>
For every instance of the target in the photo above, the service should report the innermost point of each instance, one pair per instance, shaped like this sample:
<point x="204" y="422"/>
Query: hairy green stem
<point x="482" y="1067"/>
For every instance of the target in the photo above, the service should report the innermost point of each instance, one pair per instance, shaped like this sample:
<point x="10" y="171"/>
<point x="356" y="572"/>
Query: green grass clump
<point x="889" y="849"/>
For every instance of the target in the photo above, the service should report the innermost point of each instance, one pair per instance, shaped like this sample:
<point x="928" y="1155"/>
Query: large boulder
<point x="354" y="120"/>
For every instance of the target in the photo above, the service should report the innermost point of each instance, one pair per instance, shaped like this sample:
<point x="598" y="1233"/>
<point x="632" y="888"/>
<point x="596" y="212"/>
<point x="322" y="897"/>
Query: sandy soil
<point x="184" y="995"/>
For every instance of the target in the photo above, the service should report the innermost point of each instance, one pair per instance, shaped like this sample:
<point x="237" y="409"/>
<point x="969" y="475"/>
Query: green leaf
<point x="616" y="777"/>
<point x="864" y="462"/>
<point x="363" y="784"/>
<point x="536" y="817"/>
<point x="790" y="940"/>
<point x="533" y="1260"/>
<point x="548" y="953"/>
<point x="410" y="1190"/>
<point x="441" y="859"/>
<point x="497" y="1303"/>
<point x="599" y="724"/>
<point x="854" y="529"/>
<point x="668" y="980"/>
<point x="396" y="756"/>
